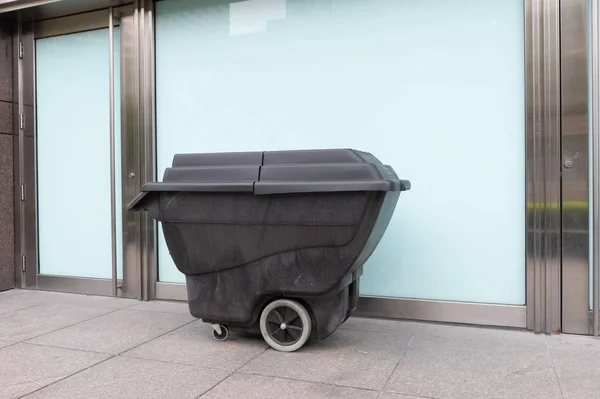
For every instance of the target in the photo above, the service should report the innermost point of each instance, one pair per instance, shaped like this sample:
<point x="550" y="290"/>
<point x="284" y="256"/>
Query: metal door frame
<point x="29" y="277"/>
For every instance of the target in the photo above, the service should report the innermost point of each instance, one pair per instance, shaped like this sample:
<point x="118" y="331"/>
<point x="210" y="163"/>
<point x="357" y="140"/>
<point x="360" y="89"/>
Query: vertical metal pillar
<point x="111" y="60"/>
<point x="542" y="54"/>
<point x="596" y="164"/>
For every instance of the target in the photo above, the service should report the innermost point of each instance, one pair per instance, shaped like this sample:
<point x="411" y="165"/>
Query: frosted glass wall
<point x="73" y="154"/>
<point x="434" y="88"/>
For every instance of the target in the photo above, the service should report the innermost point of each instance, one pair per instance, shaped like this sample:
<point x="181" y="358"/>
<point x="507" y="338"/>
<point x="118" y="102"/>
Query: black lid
<point x="279" y="172"/>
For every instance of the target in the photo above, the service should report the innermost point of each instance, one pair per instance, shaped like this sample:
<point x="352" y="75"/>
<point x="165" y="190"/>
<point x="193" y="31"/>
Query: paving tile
<point x="42" y="319"/>
<point x="25" y="368"/>
<point x="455" y="368"/>
<point x="19" y="299"/>
<point x="379" y="325"/>
<point x="122" y="377"/>
<point x="115" y="332"/>
<point x="358" y="359"/>
<point x="194" y="345"/>
<point x="91" y="300"/>
<point x="78" y="299"/>
<point x="258" y="387"/>
<point x="578" y="371"/>
<point x="389" y="395"/>
<point x="477" y="333"/>
<point x="566" y="341"/>
<point x="10" y="301"/>
<point x="163" y="306"/>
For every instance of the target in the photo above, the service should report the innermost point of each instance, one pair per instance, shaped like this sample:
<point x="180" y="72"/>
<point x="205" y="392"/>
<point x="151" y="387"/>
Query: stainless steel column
<point x="596" y="163"/>
<point x="542" y="45"/>
<point x="113" y="213"/>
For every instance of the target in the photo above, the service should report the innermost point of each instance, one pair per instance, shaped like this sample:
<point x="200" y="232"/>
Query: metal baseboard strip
<point x="409" y="309"/>
<point x="443" y="311"/>
<point x="171" y="291"/>
<point x="75" y="285"/>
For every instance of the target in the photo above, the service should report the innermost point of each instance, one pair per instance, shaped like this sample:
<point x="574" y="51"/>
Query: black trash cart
<point x="273" y="241"/>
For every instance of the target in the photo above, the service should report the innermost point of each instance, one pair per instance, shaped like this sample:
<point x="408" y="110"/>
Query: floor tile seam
<point x="554" y="369"/>
<point x="157" y="311"/>
<point x="233" y="372"/>
<point x="66" y="348"/>
<point x="9" y="345"/>
<point x="389" y="378"/>
<point x="411" y="396"/>
<point x="49" y="299"/>
<point x="67" y="326"/>
<point x="86" y="305"/>
<point x="420" y="336"/>
<point x="329" y="384"/>
<point x="156" y="337"/>
<point x="74" y="304"/>
<point x="68" y="376"/>
<point x="18" y="310"/>
<point x="128" y="307"/>
<point x="180" y="363"/>
<point x="107" y="307"/>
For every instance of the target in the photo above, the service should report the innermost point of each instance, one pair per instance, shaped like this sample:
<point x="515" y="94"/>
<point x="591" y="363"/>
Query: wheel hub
<point x="284" y="325"/>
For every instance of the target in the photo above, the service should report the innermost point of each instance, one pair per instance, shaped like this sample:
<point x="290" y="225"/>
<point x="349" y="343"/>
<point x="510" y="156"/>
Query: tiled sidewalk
<point x="72" y="346"/>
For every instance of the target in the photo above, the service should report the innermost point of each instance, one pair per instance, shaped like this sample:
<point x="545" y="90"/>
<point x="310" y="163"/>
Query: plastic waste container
<point x="273" y="241"/>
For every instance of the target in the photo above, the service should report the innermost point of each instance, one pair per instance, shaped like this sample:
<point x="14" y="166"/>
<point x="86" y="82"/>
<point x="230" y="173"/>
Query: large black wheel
<point x="285" y="325"/>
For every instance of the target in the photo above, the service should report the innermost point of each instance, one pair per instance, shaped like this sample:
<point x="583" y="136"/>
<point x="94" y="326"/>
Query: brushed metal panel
<point x="130" y="150"/>
<point x="542" y="75"/>
<point x="171" y="291"/>
<point x="575" y="170"/>
<point x="28" y="65"/>
<point x="442" y="311"/>
<point x="39" y="10"/>
<point x="75" y="285"/>
<point x="595" y="111"/>
<point x="79" y="23"/>
<point x="147" y="146"/>
<point x="29" y="208"/>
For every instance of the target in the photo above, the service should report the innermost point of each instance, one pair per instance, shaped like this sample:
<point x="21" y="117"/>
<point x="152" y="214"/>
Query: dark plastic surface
<point x="247" y="228"/>
<point x="276" y="172"/>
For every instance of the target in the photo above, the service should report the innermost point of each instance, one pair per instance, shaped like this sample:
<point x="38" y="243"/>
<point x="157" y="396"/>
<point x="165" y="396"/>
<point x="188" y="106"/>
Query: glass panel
<point x="73" y="154"/>
<point x="434" y="88"/>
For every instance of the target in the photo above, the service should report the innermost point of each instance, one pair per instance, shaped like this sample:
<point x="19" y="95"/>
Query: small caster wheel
<point x="220" y="332"/>
<point x="285" y="325"/>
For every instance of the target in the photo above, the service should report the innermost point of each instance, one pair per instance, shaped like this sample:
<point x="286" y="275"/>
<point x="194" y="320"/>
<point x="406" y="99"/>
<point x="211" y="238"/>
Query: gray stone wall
<point x="7" y="260"/>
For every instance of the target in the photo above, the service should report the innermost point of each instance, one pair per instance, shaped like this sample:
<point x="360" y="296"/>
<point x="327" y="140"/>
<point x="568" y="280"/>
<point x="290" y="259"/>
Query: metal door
<point x="77" y="153"/>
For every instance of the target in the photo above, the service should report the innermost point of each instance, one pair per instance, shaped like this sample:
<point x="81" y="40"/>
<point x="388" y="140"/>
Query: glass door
<point x="83" y="160"/>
